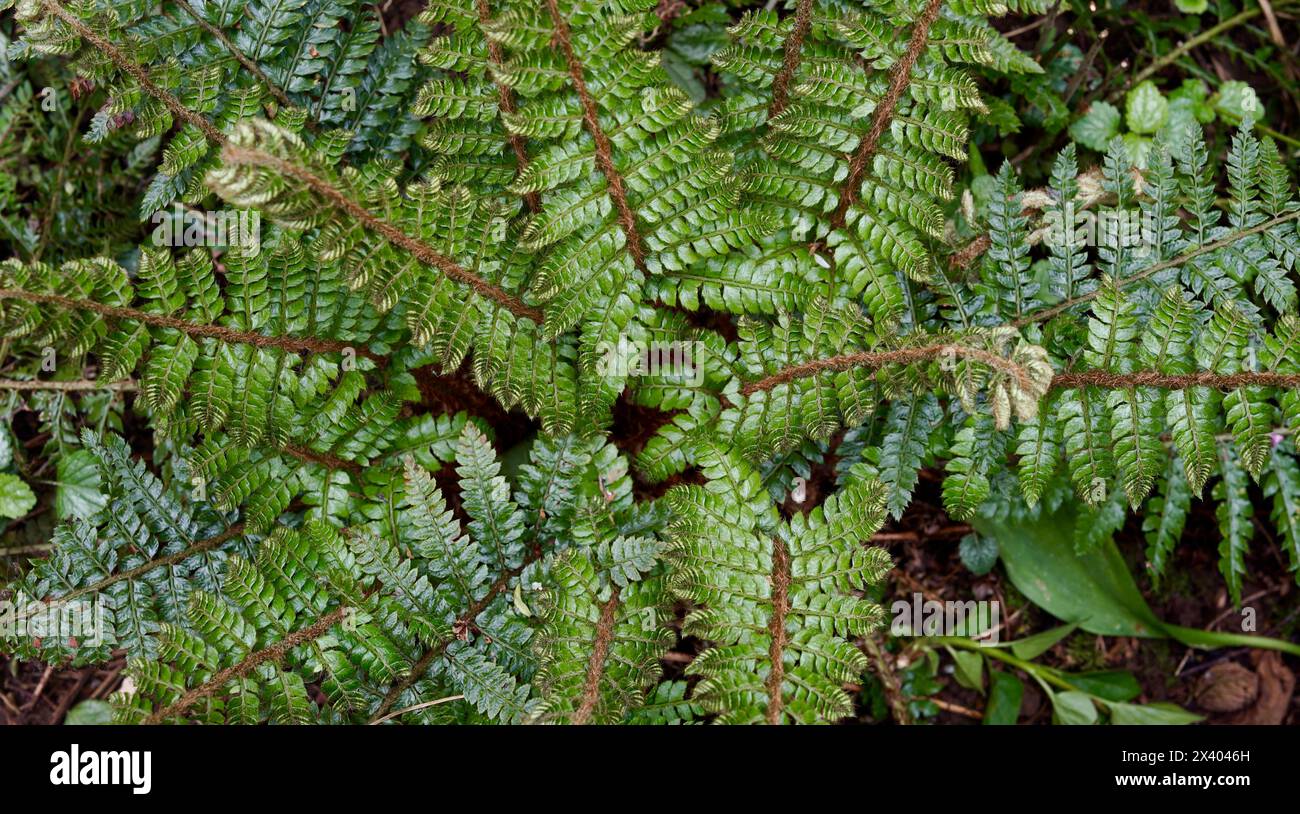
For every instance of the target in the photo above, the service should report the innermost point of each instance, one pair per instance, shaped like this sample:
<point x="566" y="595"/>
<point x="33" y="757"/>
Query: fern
<point x="509" y="206"/>
<point x="184" y="63"/>
<point x="403" y="606"/>
<point x="776" y="597"/>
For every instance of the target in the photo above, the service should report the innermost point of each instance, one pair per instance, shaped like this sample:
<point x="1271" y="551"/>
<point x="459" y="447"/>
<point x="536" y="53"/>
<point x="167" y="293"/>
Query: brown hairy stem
<point x="137" y="72"/>
<point x="596" y="663"/>
<point x="1061" y="381"/>
<point x="421" y="250"/>
<point x="506" y="102"/>
<point x="471" y="613"/>
<point x="275" y="652"/>
<point x="963" y="257"/>
<point x="1080" y="74"/>
<point x="776" y="629"/>
<point x="879" y="359"/>
<point x="169" y="559"/>
<point x="1167" y="381"/>
<point x="899" y="76"/>
<point x="790" y="63"/>
<point x="604" y="152"/>
<point x="323" y="458"/>
<point x="293" y="344"/>
<point x="248" y="64"/>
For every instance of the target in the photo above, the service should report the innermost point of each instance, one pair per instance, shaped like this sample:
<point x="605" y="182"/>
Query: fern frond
<point x="776" y="597"/>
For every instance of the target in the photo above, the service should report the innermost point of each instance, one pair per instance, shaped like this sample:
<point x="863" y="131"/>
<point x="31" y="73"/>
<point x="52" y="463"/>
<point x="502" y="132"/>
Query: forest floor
<point x="924" y="545"/>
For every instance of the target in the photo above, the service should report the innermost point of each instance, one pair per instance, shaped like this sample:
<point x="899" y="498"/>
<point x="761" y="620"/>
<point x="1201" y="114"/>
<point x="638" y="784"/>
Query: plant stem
<point x="1268" y="131"/>
<point x="1200" y="39"/>
<point x="1039" y="672"/>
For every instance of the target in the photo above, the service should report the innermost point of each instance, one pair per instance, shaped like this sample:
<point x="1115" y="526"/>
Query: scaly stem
<point x="421" y="250"/>
<point x="293" y="344"/>
<point x="899" y="77"/>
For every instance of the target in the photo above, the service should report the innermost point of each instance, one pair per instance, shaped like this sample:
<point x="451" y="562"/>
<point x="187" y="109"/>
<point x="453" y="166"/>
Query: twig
<point x="956" y="709"/>
<point x="289" y="343"/>
<point x="895" y="537"/>
<point x="9" y="702"/>
<point x="69" y="697"/>
<point x="1270" y="19"/>
<point x="40" y="688"/>
<point x="26" y="549"/>
<point x="414" y="707"/>
<point x="1201" y="38"/>
<point x="1025" y="29"/>
<point x="888" y="679"/>
<point x="108" y="679"/>
<point x="1079" y="75"/>
<point x="1231" y="609"/>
